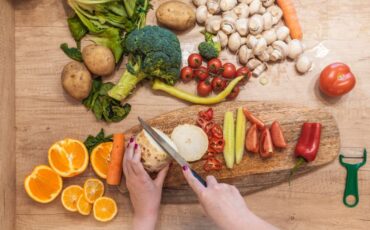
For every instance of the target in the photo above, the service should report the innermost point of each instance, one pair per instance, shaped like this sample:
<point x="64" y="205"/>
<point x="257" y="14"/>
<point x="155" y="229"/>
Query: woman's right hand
<point x="224" y="204"/>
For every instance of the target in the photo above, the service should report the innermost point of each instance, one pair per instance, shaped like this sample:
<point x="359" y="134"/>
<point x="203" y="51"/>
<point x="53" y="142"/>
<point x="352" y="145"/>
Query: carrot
<point x="290" y="18"/>
<point x="115" y="164"/>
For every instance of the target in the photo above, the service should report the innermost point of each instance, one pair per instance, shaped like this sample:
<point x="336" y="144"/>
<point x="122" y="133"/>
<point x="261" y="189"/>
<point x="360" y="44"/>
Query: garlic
<point x="295" y="48"/>
<point x="226" y="5"/>
<point x="213" y="6"/>
<point x="222" y="37"/>
<point x="260" y="46"/>
<point x="303" y="64"/>
<point x="270" y="36"/>
<point x="199" y="2"/>
<point x="253" y="63"/>
<point x="255" y="24"/>
<point x="213" y="24"/>
<point x="251" y="41"/>
<point x="276" y="13"/>
<point x="228" y="26"/>
<point x="282" y="33"/>
<point x="242" y="26"/>
<point x="280" y="50"/>
<point x="259" y="70"/>
<point x="241" y="10"/>
<point x="231" y="15"/>
<point x="245" y="54"/>
<point x="264" y="56"/>
<point x="201" y="14"/>
<point x="267" y="3"/>
<point x="255" y="6"/>
<point x="267" y="20"/>
<point x="234" y="42"/>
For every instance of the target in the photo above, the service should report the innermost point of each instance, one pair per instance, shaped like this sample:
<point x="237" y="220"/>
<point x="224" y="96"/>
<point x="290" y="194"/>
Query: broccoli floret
<point x="154" y="52"/>
<point x="209" y="49"/>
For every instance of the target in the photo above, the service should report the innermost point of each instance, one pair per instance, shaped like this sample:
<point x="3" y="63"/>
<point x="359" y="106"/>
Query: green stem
<point x="125" y="85"/>
<point x="299" y="163"/>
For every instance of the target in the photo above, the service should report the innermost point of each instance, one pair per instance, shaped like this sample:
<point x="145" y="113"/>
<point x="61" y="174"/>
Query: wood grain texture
<point x="253" y="173"/>
<point x="7" y="118"/>
<point x="45" y="114"/>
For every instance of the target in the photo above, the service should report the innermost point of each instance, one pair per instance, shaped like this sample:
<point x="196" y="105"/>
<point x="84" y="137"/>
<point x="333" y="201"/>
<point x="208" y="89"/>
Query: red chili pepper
<point x="210" y="154"/>
<point x="217" y="131"/>
<point x="212" y="164"/>
<point x="277" y="135"/>
<point x="208" y="127"/>
<point x="253" y="119"/>
<point x="309" y="141"/>
<point x="206" y="114"/>
<point x="251" y="139"/>
<point x="266" y="147"/>
<point x="216" y="144"/>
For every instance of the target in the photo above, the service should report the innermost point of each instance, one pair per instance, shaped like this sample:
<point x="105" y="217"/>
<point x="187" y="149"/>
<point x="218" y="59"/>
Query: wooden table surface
<point x="333" y="31"/>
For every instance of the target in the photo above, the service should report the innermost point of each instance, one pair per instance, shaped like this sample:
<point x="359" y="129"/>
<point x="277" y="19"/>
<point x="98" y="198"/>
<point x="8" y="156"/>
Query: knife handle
<point x="199" y="178"/>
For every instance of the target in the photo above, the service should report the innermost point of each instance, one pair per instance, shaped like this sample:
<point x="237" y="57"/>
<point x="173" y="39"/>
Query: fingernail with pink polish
<point x="135" y="147"/>
<point x="185" y="167"/>
<point x="131" y="139"/>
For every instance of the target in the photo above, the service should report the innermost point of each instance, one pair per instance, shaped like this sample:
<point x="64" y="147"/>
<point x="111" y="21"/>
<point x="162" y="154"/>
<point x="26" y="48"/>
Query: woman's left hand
<point x="145" y="193"/>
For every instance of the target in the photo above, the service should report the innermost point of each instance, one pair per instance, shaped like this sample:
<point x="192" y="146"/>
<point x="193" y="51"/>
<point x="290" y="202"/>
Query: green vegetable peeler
<point x="351" y="189"/>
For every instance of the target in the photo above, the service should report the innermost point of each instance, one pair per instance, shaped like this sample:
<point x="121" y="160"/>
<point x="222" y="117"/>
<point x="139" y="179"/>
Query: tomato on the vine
<point x="186" y="74"/>
<point x="218" y="84"/>
<point x="214" y="65"/>
<point x="204" y="88"/>
<point x="229" y="70"/>
<point x="201" y="73"/>
<point x="195" y="60"/>
<point x="234" y="93"/>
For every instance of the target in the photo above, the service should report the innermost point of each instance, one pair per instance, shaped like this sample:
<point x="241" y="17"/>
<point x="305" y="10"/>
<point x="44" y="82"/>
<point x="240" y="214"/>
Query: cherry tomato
<point x="206" y="114"/>
<point x="217" y="144"/>
<point x="245" y="72"/>
<point x="234" y="93"/>
<point x="201" y="73"/>
<point x="337" y="79"/>
<point x="218" y="84"/>
<point x="217" y="131"/>
<point x="266" y="147"/>
<point x="204" y="88"/>
<point x="214" y="65"/>
<point x="277" y="135"/>
<point x="195" y="60"/>
<point x="186" y="74"/>
<point x="229" y="70"/>
<point x="212" y="164"/>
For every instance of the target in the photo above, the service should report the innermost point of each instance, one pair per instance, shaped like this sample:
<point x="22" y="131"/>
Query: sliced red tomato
<point x="206" y="114"/>
<point x="208" y="155"/>
<point x="208" y="127"/>
<point x="212" y="164"/>
<point x="217" y="131"/>
<point x="216" y="144"/>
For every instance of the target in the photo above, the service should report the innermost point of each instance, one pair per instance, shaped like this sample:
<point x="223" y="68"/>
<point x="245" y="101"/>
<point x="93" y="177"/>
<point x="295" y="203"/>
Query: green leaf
<point x="91" y="142"/>
<point x="71" y="52"/>
<point x="77" y="28"/>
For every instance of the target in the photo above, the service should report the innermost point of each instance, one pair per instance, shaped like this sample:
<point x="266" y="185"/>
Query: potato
<point x="76" y="80"/>
<point x="176" y="15"/>
<point x="98" y="59"/>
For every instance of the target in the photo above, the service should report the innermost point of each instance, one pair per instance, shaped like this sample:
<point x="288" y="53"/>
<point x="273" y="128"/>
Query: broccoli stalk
<point x="154" y="53"/>
<point x="209" y="49"/>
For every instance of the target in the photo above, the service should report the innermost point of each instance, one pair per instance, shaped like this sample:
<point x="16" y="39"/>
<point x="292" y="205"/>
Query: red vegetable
<point x="309" y="141"/>
<point x="216" y="144"/>
<point x="204" y="88"/>
<point x="206" y="114"/>
<point x="266" y="147"/>
<point x="195" y="60"/>
<point x="210" y="154"/>
<point x="253" y="119"/>
<point x="218" y="84"/>
<point x="277" y="135"/>
<point x="245" y="72"/>
<point x="186" y="74"/>
<point x="251" y="139"/>
<point x="234" y="93"/>
<point x="214" y="65"/>
<point x="217" y="131"/>
<point x="201" y="73"/>
<point x="212" y="164"/>
<point x="229" y="71"/>
<point x="337" y="79"/>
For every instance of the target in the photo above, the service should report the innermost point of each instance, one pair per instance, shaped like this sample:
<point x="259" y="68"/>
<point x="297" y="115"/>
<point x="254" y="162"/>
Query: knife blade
<point x="169" y="149"/>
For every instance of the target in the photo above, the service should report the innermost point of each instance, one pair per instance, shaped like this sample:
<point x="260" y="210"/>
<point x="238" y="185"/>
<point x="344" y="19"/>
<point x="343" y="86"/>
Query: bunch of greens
<point x="104" y="107"/>
<point x="91" y="142"/>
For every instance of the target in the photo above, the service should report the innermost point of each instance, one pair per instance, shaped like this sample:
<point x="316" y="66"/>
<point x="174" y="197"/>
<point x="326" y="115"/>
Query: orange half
<point x="105" y="209"/>
<point x="100" y="158"/>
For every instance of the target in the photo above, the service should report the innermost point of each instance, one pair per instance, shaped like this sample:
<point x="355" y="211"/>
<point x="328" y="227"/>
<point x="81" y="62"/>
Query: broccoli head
<point x="154" y="52"/>
<point x="209" y="49"/>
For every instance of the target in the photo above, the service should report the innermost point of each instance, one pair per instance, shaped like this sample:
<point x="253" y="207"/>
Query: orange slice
<point x="105" y="209"/>
<point x="68" y="157"/>
<point x="83" y="207"/>
<point x="93" y="189"/>
<point x="43" y="184"/>
<point x="70" y="197"/>
<point x="100" y="158"/>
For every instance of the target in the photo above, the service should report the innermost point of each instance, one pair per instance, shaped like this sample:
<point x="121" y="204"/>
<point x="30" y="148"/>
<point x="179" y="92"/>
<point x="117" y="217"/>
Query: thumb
<point x="161" y="176"/>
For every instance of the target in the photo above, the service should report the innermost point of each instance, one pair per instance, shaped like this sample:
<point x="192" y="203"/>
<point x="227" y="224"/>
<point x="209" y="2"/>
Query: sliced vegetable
<point x="206" y="114"/>
<point x="212" y="164"/>
<point x="252" y="143"/>
<point x="266" y="147"/>
<point x="229" y="135"/>
<point x="91" y="142"/>
<point x="216" y="145"/>
<point x="239" y="135"/>
<point x="216" y="131"/>
<point x="290" y="18"/>
<point x="277" y="135"/>
<point x="253" y="119"/>
<point x="115" y="165"/>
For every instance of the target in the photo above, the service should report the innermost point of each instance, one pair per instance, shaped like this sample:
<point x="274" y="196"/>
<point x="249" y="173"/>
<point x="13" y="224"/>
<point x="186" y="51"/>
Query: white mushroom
<point x="213" y="6"/>
<point x="245" y="54"/>
<point x="259" y="70"/>
<point x="201" y="14"/>
<point x="267" y="20"/>
<point x="251" y="41"/>
<point x="303" y="64"/>
<point x="282" y="33"/>
<point x="199" y="2"/>
<point x="229" y="15"/>
<point x="213" y="24"/>
<point x="226" y="5"/>
<point x="280" y="50"/>
<point x="267" y="3"/>
<point x="270" y="36"/>
<point x="295" y="48"/>
<point x="255" y="6"/>
<point x="242" y="26"/>
<point x="241" y="10"/>
<point x="255" y="24"/>
<point x="276" y="13"/>
<point x="253" y="63"/>
<point x="264" y="56"/>
<point x="234" y="42"/>
<point x="260" y="46"/>
<point x="262" y="10"/>
<point x="228" y="26"/>
<point x="222" y="38"/>
<point x="245" y="1"/>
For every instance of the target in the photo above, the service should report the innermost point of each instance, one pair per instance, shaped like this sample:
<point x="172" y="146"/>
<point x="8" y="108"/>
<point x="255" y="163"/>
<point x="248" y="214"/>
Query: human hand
<point x="145" y="193"/>
<point x="224" y="204"/>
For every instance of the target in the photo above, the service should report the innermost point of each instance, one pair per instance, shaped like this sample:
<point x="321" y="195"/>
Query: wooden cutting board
<point x="253" y="173"/>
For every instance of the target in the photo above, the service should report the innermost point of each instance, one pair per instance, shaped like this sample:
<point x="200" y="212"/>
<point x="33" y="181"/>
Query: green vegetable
<point x="77" y="28"/>
<point x="239" y="135"/>
<point x="91" y="142"/>
<point x="104" y="107"/>
<point x="209" y="49"/>
<point x="154" y="52"/>
<point x="71" y="52"/>
<point x="159" y="85"/>
<point x="229" y="135"/>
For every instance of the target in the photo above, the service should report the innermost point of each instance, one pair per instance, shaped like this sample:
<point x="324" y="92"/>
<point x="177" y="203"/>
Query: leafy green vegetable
<point x="91" y="142"/>
<point x="209" y="49"/>
<point x="154" y="52"/>
<point x="77" y="28"/>
<point x="104" y="107"/>
<point x="71" y="52"/>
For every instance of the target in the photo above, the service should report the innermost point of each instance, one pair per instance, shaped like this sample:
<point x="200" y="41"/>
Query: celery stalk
<point x="229" y="136"/>
<point x="239" y="135"/>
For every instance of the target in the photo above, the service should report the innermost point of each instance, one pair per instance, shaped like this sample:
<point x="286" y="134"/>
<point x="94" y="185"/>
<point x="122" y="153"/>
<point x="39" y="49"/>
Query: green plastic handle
<point x="352" y="179"/>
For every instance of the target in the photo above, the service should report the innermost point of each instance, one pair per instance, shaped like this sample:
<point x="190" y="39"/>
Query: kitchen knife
<point x="169" y="150"/>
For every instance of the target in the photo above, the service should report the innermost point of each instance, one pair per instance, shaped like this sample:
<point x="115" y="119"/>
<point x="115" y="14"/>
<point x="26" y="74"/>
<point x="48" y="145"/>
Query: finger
<point x="126" y="157"/>
<point x="211" y="181"/>
<point x="192" y="181"/>
<point x="161" y="176"/>
<point x="130" y="149"/>
<point x="135" y="163"/>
